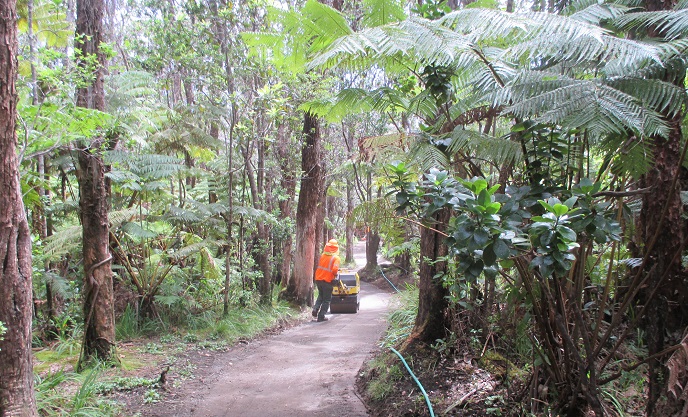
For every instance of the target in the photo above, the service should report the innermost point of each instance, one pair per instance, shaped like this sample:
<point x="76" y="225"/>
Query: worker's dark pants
<point x="322" y="304"/>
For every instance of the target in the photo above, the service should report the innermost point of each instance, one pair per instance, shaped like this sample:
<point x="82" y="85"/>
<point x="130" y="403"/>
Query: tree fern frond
<point x="62" y="242"/>
<point x="593" y="12"/>
<point x="633" y="157"/>
<point x="194" y="248"/>
<point x="347" y="101"/>
<point x="424" y="105"/>
<point x="581" y="104"/>
<point x="658" y="95"/>
<point x="325" y="21"/>
<point x="119" y="217"/>
<point x="486" y="24"/>
<point x="427" y="156"/>
<point x="382" y="12"/>
<point x="177" y="214"/>
<point x="59" y="284"/>
<point x="556" y="39"/>
<point x="489" y="148"/>
<point x="146" y="166"/>
<point x="671" y="24"/>
<point x="137" y="232"/>
<point x="419" y="38"/>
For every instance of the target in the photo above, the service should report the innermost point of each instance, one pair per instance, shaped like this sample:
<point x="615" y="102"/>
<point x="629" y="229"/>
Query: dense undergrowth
<point x="150" y="353"/>
<point x="467" y="376"/>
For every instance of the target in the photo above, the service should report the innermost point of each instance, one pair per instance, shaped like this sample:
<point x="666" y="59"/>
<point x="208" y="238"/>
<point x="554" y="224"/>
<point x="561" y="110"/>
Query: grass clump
<point x="402" y="317"/>
<point x="383" y="374"/>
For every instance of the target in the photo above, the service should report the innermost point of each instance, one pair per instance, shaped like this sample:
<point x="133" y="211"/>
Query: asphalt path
<point x="308" y="370"/>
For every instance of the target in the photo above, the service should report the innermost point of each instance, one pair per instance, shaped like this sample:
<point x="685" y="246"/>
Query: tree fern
<point x="671" y="24"/>
<point x="301" y="34"/>
<point x="426" y="155"/>
<point x="580" y="104"/>
<point x="63" y="242"/>
<point x="382" y="12"/>
<point x="488" y="148"/>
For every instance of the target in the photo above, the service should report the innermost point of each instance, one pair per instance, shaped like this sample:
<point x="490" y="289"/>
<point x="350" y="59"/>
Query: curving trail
<point x="308" y="370"/>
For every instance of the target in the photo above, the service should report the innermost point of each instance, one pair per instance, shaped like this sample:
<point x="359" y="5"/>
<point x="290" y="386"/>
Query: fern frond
<point x="418" y="38"/>
<point x="671" y="24"/>
<point x="382" y="12"/>
<point x="62" y="242"/>
<point x="119" y="217"/>
<point x="633" y="156"/>
<point x="590" y="11"/>
<point x="176" y="214"/>
<point x="137" y="232"/>
<point x="658" y="95"/>
<point x="58" y="283"/>
<point x="486" y="24"/>
<point x="581" y="104"/>
<point x="194" y="248"/>
<point x="427" y="156"/>
<point x="557" y="39"/>
<point x="489" y="148"/>
<point x="146" y="166"/>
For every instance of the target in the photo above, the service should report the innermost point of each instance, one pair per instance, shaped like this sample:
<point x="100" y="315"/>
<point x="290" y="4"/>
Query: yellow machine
<point x="345" y="296"/>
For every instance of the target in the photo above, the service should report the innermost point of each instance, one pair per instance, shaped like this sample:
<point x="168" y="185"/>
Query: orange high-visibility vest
<point x="328" y="266"/>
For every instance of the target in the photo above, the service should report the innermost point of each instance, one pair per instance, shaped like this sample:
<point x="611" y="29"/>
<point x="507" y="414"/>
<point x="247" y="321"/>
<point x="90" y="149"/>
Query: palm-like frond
<point x="486" y="24"/>
<point x="136" y="231"/>
<point x="632" y="157"/>
<point x="427" y="156"/>
<point x="194" y="248"/>
<point x="415" y="40"/>
<point x="143" y="166"/>
<point x="671" y="24"/>
<point x="556" y="39"/>
<point x="592" y="12"/>
<point x="62" y="242"/>
<point x="381" y="12"/>
<point x="302" y="33"/>
<point x="658" y="95"/>
<point x="580" y="104"/>
<point x="488" y="148"/>
<point x="119" y="217"/>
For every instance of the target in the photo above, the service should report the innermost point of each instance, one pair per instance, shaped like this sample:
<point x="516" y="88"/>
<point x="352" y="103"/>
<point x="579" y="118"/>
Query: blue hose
<point x="427" y="400"/>
<point x="390" y="282"/>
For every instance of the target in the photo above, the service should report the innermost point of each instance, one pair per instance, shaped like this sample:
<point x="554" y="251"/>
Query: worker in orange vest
<point x="326" y="279"/>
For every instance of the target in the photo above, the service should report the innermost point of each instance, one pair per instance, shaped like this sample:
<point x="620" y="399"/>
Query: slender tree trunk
<point x="99" y="313"/>
<point x="288" y="184"/>
<point x="301" y="292"/>
<point x="16" y="368"/>
<point x="431" y="320"/>
<point x="349" y="255"/>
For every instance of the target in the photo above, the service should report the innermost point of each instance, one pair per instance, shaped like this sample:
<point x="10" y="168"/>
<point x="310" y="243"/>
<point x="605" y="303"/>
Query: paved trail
<point x="308" y="370"/>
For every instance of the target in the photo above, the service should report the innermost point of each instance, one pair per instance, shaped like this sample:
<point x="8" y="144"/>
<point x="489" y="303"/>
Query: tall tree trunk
<point x="349" y="255"/>
<point x="99" y="313"/>
<point x="431" y="320"/>
<point x="301" y="292"/>
<point x="661" y="222"/>
<point x="16" y="368"/>
<point x="288" y="184"/>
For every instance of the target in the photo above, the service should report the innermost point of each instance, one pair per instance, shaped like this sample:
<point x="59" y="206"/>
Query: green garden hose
<point x="427" y="399"/>
<point x="390" y="282"/>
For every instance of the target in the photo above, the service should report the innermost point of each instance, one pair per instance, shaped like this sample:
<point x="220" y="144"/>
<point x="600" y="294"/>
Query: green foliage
<point x="402" y="316"/>
<point x="52" y="401"/>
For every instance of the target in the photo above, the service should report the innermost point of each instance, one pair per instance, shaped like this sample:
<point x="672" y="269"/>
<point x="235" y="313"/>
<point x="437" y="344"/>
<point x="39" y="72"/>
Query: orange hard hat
<point x="332" y="246"/>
